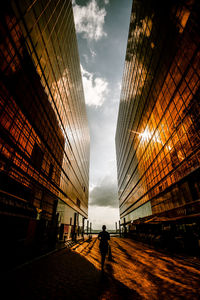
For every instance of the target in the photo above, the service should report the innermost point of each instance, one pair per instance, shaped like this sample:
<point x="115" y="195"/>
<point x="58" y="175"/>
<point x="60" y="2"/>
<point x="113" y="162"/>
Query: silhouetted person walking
<point x="104" y="237"/>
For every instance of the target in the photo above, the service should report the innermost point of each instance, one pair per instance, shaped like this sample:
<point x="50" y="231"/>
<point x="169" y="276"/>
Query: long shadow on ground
<point x="63" y="275"/>
<point x="118" y="289"/>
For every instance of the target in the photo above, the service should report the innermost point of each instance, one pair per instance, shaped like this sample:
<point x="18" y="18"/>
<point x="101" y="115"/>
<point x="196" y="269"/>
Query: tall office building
<point x="158" y="129"/>
<point x="44" y="136"/>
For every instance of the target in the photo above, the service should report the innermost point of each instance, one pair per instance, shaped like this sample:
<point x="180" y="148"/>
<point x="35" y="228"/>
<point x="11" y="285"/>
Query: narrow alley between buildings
<point x="135" y="272"/>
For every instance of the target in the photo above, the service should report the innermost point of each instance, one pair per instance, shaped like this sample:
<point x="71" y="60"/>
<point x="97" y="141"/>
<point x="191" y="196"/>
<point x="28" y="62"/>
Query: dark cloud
<point x="105" y="194"/>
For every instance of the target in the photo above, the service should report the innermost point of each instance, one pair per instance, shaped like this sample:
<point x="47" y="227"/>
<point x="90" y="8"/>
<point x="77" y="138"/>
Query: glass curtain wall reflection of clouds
<point x="44" y="143"/>
<point x="158" y="130"/>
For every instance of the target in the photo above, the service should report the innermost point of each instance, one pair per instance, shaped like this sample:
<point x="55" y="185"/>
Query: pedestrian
<point x="104" y="237"/>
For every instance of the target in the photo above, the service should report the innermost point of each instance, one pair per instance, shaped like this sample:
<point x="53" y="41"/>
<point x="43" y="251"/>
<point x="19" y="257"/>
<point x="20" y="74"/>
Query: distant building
<point x="158" y="130"/>
<point x="44" y="137"/>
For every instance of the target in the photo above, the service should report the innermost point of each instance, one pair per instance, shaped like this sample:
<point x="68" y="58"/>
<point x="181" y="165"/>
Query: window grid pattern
<point x="39" y="39"/>
<point x="158" y="134"/>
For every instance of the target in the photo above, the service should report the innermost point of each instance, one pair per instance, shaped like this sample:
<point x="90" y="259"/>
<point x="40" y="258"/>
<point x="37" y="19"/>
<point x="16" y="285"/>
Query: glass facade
<point x="158" y="129"/>
<point x="44" y="136"/>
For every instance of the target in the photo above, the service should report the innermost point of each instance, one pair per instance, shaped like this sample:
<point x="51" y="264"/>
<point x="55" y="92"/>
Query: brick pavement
<point x="136" y="272"/>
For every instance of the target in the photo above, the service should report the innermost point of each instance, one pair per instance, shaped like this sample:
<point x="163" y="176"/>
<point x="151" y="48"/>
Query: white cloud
<point x="119" y="85"/>
<point x="93" y="53"/>
<point x="103" y="215"/>
<point x="89" y="20"/>
<point x="95" y="89"/>
<point x="106" y="1"/>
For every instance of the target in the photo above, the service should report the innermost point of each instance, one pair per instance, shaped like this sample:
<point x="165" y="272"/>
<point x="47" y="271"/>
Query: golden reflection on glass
<point x="44" y="142"/>
<point x="158" y="132"/>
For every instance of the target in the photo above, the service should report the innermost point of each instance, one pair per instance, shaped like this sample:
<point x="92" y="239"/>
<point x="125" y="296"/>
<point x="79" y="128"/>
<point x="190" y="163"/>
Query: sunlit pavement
<point x="136" y="272"/>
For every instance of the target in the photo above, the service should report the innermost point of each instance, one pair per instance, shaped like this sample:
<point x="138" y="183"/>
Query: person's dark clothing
<point x="104" y="237"/>
<point x="103" y="245"/>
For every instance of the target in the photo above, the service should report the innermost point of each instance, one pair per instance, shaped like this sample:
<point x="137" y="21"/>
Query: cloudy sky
<point x="102" y="31"/>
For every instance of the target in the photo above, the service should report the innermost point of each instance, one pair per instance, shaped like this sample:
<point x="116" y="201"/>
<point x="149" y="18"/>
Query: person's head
<point x="104" y="227"/>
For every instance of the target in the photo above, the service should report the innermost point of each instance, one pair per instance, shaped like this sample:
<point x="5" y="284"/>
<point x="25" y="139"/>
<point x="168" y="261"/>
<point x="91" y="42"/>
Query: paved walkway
<point x="136" y="272"/>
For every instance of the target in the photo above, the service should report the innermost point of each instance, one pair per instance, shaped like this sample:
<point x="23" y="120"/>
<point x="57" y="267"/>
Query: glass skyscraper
<point x="44" y="136"/>
<point x="158" y="129"/>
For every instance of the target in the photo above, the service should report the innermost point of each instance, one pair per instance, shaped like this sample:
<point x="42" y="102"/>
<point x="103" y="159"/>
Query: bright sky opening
<point x="102" y="31"/>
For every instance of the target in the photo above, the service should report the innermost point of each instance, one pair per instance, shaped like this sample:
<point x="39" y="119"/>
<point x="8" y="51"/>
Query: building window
<point x="51" y="171"/>
<point x="78" y="202"/>
<point x="37" y="156"/>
